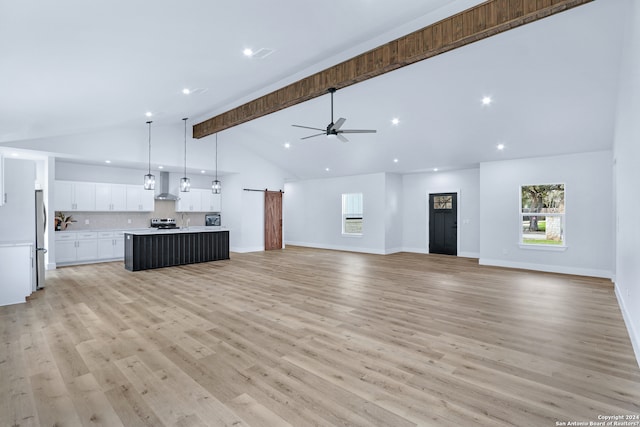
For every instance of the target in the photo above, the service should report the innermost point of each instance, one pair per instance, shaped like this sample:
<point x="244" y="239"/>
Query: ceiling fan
<point x="334" y="129"/>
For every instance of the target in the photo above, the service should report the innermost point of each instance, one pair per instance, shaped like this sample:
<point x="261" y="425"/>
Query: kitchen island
<point x="153" y="248"/>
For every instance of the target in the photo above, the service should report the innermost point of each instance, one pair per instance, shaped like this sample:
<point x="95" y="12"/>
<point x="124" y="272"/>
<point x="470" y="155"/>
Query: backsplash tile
<point x="120" y="220"/>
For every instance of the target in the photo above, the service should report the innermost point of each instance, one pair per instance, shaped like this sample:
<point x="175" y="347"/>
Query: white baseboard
<point x="605" y="274"/>
<point x="475" y="255"/>
<point x="415" y="250"/>
<point x="245" y="250"/>
<point x="634" y="334"/>
<point x="338" y="248"/>
<point x="392" y="251"/>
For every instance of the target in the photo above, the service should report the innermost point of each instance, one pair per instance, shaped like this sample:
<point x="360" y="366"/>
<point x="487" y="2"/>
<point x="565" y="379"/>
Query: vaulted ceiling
<point x="71" y="66"/>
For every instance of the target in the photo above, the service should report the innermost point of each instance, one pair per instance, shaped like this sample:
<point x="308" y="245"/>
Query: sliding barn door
<point x="272" y="220"/>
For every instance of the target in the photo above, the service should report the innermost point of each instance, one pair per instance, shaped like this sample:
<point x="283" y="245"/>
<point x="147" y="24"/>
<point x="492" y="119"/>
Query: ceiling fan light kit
<point x="334" y="129"/>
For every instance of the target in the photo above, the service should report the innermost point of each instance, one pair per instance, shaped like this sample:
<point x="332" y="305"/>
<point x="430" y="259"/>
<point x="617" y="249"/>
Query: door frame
<point x="426" y="205"/>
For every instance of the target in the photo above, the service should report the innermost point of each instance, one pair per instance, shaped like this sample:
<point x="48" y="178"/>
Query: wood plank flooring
<point x="306" y="337"/>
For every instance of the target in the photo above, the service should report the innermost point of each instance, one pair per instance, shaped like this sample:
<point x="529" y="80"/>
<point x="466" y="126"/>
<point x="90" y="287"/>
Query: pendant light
<point x="216" y="187"/>
<point x="149" y="180"/>
<point x="185" y="183"/>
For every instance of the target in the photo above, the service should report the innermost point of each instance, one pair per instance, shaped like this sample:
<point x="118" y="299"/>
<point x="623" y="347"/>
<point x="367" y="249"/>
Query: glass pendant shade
<point x="149" y="179"/>
<point x="149" y="182"/>
<point x="185" y="184"/>
<point x="216" y="186"/>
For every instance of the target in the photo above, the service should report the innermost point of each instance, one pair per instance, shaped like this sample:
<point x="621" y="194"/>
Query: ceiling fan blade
<point x="341" y="137"/>
<point x="307" y="127"/>
<point x="339" y="123"/>
<point x="311" y="136"/>
<point x="358" y="131"/>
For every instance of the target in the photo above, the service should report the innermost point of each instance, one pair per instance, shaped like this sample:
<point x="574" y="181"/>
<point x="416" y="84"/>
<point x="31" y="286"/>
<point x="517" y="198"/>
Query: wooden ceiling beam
<point x="477" y="23"/>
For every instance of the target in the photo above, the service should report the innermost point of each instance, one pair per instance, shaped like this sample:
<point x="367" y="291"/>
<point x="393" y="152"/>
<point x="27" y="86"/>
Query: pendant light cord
<point x="149" y="123"/>
<point x="185" y="147"/>
<point x="216" y="156"/>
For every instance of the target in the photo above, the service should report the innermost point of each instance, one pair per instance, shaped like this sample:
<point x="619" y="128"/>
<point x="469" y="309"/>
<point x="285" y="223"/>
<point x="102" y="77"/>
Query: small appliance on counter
<point x="212" y="219"/>
<point x="163" y="223"/>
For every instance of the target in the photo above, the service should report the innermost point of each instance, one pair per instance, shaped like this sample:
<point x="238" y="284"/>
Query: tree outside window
<point x="542" y="214"/>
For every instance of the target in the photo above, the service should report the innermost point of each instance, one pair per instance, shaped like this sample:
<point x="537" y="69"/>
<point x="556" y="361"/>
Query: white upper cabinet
<point x="210" y="202"/>
<point x="75" y="196"/>
<point x="189" y="201"/>
<point x="198" y="200"/>
<point x="139" y="199"/>
<point x="111" y="197"/>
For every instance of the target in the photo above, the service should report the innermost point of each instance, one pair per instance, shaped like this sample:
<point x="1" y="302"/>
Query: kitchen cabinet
<point x="74" y="247"/>
<point x="111" y="197"/>
<point x="110" y="245"/>
<point x="74" y="196"/>
<point x="210" y="202"/>
<point x="198" y="200"/>
<point x="190" y="201"/>
<point x="17" y="273"/>
<point x="139" y="199"/>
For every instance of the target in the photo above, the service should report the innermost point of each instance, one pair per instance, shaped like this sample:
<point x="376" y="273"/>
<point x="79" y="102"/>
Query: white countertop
<point x="10" y="244"/>
<point x="196" y="229"/>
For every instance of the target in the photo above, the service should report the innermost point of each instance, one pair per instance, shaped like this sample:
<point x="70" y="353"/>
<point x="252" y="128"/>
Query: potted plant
<point x="62" y="221"/>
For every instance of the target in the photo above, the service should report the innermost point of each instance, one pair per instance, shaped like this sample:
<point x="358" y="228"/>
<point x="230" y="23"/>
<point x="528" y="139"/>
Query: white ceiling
<point x="74" y="66"/>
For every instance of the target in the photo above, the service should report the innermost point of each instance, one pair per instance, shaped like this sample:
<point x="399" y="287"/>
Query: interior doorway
<point x="443" y="223"/>
<point x="272" y="220"/>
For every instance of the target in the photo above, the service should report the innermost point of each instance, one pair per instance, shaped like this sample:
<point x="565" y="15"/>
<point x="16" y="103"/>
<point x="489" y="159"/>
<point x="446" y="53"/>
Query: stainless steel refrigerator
<point x="41" y="225"/>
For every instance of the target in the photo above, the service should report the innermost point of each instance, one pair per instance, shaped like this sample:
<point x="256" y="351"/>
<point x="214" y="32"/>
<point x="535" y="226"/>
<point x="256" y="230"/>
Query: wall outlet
<point x="128" y="221"/>
<point x="86" y="222"/>
<point x="505" y="252"/>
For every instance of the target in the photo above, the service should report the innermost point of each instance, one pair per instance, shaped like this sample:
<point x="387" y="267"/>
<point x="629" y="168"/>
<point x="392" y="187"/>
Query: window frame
<point x="562" y="215"/>
<point x="352" y="215"/>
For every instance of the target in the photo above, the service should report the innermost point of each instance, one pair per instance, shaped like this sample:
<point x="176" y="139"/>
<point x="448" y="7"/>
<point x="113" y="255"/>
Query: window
<point x="352" y="214"/>
<point x="542" y="215"/>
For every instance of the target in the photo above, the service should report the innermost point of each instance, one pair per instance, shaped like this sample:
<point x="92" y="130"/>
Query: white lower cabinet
<point x="111" y="245"/>
<point x="76" y="247"/>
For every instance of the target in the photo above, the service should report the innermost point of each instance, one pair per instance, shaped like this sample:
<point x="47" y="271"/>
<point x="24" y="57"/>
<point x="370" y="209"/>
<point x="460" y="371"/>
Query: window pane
<point x="542" y="198"/>
<point x="352" y="213"/>
<point x="442" y="202"/>
<point x="352" y="204"/>
<point x="353" y="225"/>
<point x="543" y="230"/>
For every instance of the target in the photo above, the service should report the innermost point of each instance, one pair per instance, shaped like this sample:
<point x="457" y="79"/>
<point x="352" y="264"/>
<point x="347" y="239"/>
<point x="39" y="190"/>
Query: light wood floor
<point x="307" y="337"/>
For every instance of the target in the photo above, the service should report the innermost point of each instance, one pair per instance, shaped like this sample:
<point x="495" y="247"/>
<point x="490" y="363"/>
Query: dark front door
<point x="443" y="223"/>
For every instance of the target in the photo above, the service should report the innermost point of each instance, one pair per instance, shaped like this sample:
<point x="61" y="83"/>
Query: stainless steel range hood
<point x="164" y="188"/>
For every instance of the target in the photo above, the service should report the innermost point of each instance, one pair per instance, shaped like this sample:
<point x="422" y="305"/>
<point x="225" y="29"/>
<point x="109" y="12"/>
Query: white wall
<point x="313" y="213"/>
<point x="588" y="218"/>
<point x="393" y="214"/>
<point x="627" y="177"/>
<point x="416" y="187"/>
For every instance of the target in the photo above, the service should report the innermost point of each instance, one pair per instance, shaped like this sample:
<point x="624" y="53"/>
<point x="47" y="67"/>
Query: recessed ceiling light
<point x="395" y="160"/>
<point x="486" y="100"/>
<point x="247" y="52"/>
<point x="287" y="145"/>
<point x="500" y="146"/>
<point x="15" y="154"/>
<point x="395" y="120"/>
<point x="148" y="114"/>
<point x="435" y="169"/>
<point x="202" y="171"/>
<point x="327" y="169"/>
<point x="186" y="91"/>
<point x="107" y="161"/>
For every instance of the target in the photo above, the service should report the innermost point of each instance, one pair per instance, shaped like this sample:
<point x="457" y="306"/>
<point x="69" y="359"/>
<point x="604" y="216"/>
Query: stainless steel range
<point x="163" y="223"/>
